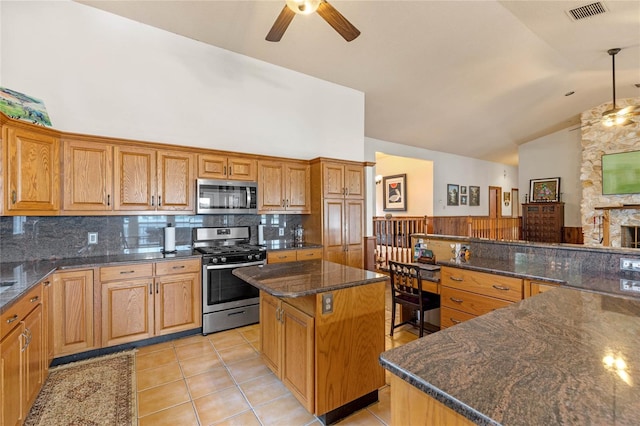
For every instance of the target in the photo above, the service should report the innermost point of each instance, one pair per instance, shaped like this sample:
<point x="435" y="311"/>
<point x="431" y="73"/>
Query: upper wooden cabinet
<point x="342" y="180"/>
<point x="284" y="187"/>
<point x="211" y="166"/>
<point x="31" y="171"/>
<point x="88" y="176"/>
<point x="153" y="180"/>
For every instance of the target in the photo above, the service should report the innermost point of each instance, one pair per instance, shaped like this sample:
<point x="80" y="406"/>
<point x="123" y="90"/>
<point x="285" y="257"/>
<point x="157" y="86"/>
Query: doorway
<point x="495" y="197"/>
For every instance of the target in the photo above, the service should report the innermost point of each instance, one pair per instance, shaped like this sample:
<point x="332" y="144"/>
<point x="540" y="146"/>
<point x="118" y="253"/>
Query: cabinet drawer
<point x="281" y="256"/>
<point x="12" y="316"/>
<point x="471" y="303"/>
<point x="177" y="267"/>
<point x="507" y="288"/>
<point x="308" y="254"/>
<point x="450" y="317"/>
<point x="136" y="270"/>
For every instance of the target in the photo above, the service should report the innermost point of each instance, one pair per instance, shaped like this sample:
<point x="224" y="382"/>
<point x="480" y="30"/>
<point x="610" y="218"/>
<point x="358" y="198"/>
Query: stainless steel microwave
<point x="226" y="197"/>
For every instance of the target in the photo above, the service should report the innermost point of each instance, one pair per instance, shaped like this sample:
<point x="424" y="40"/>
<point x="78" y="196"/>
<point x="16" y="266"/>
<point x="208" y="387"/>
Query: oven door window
<point x="225" y="287"/>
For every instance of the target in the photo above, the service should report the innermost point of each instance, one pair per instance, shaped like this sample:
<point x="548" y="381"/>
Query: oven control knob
<point x="214" y="260"/>
<point x="223" y="259"/>
<point x="249" y="256"/>
<point x="258" y="256"/>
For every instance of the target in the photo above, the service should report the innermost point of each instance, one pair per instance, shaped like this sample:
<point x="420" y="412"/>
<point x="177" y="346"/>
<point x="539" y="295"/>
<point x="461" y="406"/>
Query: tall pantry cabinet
<point x="338" y="214"/>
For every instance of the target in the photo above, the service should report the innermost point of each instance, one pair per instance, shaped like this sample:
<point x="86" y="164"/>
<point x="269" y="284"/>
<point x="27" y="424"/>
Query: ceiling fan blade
<point x="337" y="21"/>
<point x="280" y="25"/>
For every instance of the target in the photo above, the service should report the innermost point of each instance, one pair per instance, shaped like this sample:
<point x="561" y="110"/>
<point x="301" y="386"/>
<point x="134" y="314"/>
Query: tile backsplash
<point x="60" y="237"/>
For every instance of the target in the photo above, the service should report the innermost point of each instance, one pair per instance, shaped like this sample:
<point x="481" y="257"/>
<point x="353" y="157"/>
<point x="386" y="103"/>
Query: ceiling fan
<point x="307" y="7"/>
<point x="617" y="116"/>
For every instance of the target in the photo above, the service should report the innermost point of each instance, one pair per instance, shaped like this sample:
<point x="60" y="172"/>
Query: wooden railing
<point x="393" y="234"/>
<point x="393" y="238"/>
<point x="493" y="228"/>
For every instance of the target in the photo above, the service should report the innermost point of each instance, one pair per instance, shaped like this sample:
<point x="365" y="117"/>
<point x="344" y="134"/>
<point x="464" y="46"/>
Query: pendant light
<point x="615" y="116"/>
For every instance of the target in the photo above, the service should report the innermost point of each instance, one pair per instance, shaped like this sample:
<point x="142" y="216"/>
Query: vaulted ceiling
<point x="475" y="78"/>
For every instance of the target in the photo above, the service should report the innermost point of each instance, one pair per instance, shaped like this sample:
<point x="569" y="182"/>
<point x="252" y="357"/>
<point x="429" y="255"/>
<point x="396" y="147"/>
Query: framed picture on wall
<point x="463" y="190"/>
<point x="394" y="194"/>
<point x="463" y="200"/>
<point x="453" y="194"/>
<point x="474" y="195"/>
<point x="544" y="190"/>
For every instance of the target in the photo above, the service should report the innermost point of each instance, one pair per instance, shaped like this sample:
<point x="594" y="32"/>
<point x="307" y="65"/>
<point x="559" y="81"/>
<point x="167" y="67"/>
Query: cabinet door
<point x="333" y="180"/>
<point x="354" y="230"/>
<point x="354" y="182"/>
<point x="73" y="312"/>
<point x="242" y="169"/>
<point x="176" y="186"/>
<point x="212" y="166"/>
<point x="271" y="192"/>
<point x="32" y="172"/>
<point x="88" y="176"/>
<point x="11" y="377"/>
<point x="298" y="188"/>
<point x="135" y="178"/>
<point x="127" y="311"/>
<point x="33" y="356"/>
<point x="177" y="303"/>
<point x="298" y="361"/>
<point x="334" y="226"/>
<point x="270" y="331"/>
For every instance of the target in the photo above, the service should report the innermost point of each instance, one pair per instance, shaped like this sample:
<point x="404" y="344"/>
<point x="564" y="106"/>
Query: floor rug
<point x="94" y="392"/>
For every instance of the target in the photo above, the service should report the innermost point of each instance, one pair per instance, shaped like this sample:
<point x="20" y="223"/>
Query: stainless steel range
<point x="227" y="301"/>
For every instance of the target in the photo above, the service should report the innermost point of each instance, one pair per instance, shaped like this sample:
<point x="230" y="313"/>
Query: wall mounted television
<point x="621" y="173"/>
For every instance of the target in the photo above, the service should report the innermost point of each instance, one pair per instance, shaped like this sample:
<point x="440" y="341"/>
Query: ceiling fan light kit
<point x="306" y="7"/>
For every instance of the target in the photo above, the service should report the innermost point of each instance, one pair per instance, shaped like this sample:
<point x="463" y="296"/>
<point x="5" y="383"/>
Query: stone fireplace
<point x="604" y="216"/>
<point x="630" y="236"/>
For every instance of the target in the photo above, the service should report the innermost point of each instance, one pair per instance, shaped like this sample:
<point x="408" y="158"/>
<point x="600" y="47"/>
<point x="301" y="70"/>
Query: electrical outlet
<point x="327" y="303"/>
<point x="93" y="238"/>
<point x="281" y="232"/>
<point x="629" y="285"/>
<point x="630" y="264"/>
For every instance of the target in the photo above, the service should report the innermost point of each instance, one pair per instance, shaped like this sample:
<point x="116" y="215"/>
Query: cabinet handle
<point x="150" y="288"/>
<point x="25" y="343"/>
<point x="278" y="314"/>
<point x="46" y="283"/>
<point x="108" y="199"/>
<point x="230" y="173"/>
<point x="224" y="170"/>
<point x="34" y="299"/>
<point x="500" y="287"/>
<point x="153" y="201"/>
<point x="157" y="288"/>
<point x="12" y="319"/>
<point x="455" y="321"/>
<point x="282" y="257"/>
<point x="179" y="267"/>
<point x="159" y="200"/>
<point x="457" y="279"/>
<point x="453" y="299"/>
<point x="283" y="202"/>
<point x="346" y="192"/>
<point x="127" y="272"/>
<point x="14" y="197"/>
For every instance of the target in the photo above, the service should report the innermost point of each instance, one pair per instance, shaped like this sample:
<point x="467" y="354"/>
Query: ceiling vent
<point x="587" y="11"/>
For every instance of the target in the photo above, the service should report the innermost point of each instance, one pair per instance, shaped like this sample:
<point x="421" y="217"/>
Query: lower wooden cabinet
<point x="73" y="324"/>
<point x="22" y="357"/>
<point x="532" y="288"/>
<point x="287" y="338"/>
<point x="466" y="294"/>
<point x="281" y="256"/>
<point x="149" y="299"/>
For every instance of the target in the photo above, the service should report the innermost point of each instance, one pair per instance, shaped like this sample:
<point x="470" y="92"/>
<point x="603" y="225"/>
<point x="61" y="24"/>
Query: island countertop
<point x="550" y="359"/>
<point x="297" y="279"/>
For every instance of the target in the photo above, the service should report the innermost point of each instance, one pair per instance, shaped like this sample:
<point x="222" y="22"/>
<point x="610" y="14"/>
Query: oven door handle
<point x="234" y="265"/>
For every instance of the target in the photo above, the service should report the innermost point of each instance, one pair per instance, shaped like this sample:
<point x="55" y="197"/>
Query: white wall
<point x="555" y="155"/>
<point x="419" y="184"/>
<point x="102" y="74"/>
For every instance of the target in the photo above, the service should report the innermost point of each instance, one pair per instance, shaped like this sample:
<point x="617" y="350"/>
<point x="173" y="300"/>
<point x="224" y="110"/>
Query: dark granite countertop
<point x="296" y="279"/>
<point x="543" y="361"/>
<point x="17" y="278"/>
<point x="567" y="272"/>
<point x="289" y="245"/>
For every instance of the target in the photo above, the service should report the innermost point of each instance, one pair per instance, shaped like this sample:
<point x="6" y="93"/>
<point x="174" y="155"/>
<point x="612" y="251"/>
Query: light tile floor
<point x="220" y="379"/>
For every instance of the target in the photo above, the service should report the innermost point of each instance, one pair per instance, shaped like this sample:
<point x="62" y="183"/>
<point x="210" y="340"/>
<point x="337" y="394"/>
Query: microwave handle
<point x="248" y="197"/>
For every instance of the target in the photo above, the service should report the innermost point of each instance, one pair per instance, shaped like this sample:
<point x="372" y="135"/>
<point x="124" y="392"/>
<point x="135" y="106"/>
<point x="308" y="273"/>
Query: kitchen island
<point x="322" y="331"/>
<point x="567" y="356"/>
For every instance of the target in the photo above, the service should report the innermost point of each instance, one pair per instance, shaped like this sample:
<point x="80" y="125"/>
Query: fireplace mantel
<point x="622" y="207"/>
